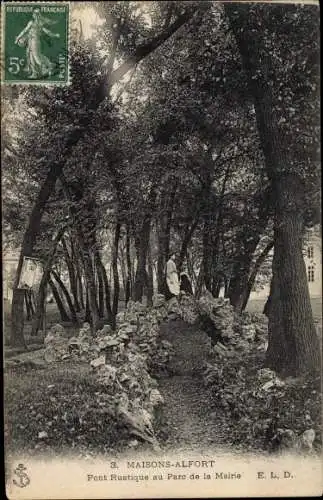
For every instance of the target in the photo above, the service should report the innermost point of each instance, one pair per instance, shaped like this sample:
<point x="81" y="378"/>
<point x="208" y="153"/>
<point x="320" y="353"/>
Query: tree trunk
<point x="116" y="284"/>
<point x="107" y="292"/>
<point x="122" y="265"/>
<point x="207" y="257"/>
<point x="66" y="295"/>
<point x="90" y="287"/>
<point x="293" y="343"/>
<point x="28" y="310"/>
<point x="269" y="299"/>
<point x="185" y="243"/>
<point x="216" y="285"/>
<point x="76" y="259"/>
<point x="98" y="266"/>
<point x="33" y="301"/>
<point x="260" y="260"/>
<point x="80" y="290"/>
<point x="30" y="300"/>
<point x="140" y="279"/>
<point x="72" y="276"/>
<point x="17" y="319"/>
<point x="80" y="287"/>
<point x="29" y="305"/>
<point x="129" y="267"/>
<point x="161" y="263"/>
<point x="218" y="231"/>
<point x="150" y="278"/>
<point x="191" y="272"/>
<point x="240" y="277"/>
<point x="200" y="281"/>
<point x="87" y="315"/>
<point x="41" y="297"/>
<point x="169" y="217"/>
<point x="165" y="222"/>
<point x="207" y="242"/>
<point x="59" y="302"/>
<point x="248" y="242"/>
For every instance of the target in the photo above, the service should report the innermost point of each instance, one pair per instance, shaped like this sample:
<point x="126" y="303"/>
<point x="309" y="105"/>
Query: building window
<point x="310" y="252"/>
<point x="310" y="274"/>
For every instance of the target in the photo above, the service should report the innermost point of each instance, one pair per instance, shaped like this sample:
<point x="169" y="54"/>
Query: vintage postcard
<point x="161" y="249"/>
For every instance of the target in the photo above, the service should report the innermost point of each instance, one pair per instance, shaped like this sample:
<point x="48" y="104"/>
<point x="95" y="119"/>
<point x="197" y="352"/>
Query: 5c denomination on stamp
<point x="35" y="43"/>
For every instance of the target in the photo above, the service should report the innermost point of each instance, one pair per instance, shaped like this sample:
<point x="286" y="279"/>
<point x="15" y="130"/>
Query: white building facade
<point x="313" y="261"/>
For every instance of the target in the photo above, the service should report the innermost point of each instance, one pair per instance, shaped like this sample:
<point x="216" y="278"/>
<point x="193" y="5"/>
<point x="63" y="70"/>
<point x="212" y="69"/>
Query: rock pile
<point x="273" y="414"/>
<point x="82" y="346"/>
<point x="159" y="309"/>
<point x="229" y="332"/>
<point x="58" y="347"/>
<point x="56" y="344"/>
<point x="173" y="309"/>
<point x="239" y="344"/>
<point x="217" y="317"/>
<point x="125" y="362"/>
<point x="254" y="328"/>
<point x="189" y="309"/>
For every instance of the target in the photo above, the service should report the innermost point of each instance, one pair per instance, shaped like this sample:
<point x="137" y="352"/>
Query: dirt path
<point x="190" y="422"/>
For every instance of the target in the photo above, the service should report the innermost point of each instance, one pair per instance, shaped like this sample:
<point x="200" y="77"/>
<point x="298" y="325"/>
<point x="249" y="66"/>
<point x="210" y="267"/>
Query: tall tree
<point x="293" y="343"/>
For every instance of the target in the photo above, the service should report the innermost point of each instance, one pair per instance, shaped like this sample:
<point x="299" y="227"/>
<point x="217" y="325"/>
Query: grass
<point x="60" y="400"/>
<point x="257" y="305"/>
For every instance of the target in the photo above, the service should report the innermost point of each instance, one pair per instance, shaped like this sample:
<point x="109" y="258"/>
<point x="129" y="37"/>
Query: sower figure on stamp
<point x="172" y="281"/>
<point x="38" y="64"/>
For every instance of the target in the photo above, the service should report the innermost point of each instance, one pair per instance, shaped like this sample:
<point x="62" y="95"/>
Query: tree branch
<point x="147" y="48"/>
<point x="169" y="16"/>
<point x="125" y="86"/>
<point x="115" y="40"/>
<point x="259" y="261"/>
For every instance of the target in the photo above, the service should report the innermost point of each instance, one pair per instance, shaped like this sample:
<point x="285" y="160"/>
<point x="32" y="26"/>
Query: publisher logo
<point x="22" y="477"/>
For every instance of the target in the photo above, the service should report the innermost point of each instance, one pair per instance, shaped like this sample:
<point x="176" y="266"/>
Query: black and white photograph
<point x="161" y="249"/>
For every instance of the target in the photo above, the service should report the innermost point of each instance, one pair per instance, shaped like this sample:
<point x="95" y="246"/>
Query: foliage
<point x="271" y="416"/>
<point x="185" y="117"/>
<point x="259" y="410"/>
<point x="60" y="404"/>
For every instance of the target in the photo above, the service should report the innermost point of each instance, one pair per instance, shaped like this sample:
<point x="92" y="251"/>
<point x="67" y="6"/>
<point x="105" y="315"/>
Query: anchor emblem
<point x="23" y="477"/>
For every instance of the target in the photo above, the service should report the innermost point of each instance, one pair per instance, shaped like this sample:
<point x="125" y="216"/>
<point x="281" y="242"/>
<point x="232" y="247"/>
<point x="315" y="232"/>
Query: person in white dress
<point x="172" y="280"/>
<point x="222" y="289"/>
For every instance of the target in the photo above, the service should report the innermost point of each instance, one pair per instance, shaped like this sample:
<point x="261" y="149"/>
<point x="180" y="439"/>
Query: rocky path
<point x="191" y="424"/>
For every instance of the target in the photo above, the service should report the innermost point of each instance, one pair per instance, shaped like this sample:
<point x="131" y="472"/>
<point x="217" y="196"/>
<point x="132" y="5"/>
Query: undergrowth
<point x="57" y="410"/>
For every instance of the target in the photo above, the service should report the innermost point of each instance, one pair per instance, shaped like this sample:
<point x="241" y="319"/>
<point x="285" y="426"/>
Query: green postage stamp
<point x="35" y="42"/>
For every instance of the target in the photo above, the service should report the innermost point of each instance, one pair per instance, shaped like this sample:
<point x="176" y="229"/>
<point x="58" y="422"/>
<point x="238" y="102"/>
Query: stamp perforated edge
<point x="26" y="83"/>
